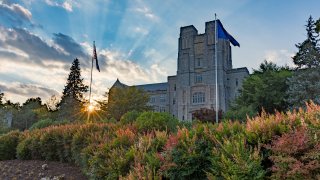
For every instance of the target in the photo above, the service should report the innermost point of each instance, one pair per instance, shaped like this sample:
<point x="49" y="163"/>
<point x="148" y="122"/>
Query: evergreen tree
<point x="308" y="55"/>
<point x="75" y="86"/>
<point x="72" y="99"/>
<point x="318" y="26"/>
<point x="304" y="86"/>
<point x="1" y="97"/>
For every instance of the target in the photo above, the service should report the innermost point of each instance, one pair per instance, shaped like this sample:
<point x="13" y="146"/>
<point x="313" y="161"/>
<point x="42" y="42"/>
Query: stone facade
<point x="194" y="85"/>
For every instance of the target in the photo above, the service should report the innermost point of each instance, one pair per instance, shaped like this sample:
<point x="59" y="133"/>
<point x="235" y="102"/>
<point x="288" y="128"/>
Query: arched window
<point x="198" y="97"/>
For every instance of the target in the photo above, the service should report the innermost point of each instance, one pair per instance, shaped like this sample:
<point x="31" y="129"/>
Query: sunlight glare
<point x="91" y="108"/>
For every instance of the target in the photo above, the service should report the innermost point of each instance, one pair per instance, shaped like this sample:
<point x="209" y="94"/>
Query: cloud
<point x="146" y="12"/>
<point x="16" y="90"/>
<point x="69" y="45"/>
<point x="67" y="5"/>
<point x="37" y="62"/>
<point x="14" y="15"/>
<point x="140" y="31"/>
<point x="33" y="49"/>
<point x="280" y="57"/>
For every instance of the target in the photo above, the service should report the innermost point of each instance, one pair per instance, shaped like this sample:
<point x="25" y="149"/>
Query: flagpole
<point x="91" y="77"/>
<point x="216" y="64"/>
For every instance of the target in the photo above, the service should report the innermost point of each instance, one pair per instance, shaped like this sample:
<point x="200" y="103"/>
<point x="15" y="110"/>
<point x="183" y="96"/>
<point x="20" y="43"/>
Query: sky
<point x="136" y="40"/>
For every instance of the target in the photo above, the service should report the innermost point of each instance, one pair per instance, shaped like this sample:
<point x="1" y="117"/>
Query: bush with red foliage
<point x="296" y="155"/>
<point x="206" y="115"/>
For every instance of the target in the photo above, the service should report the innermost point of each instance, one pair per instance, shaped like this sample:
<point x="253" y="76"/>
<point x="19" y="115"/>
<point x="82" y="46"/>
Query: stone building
<point x="193" y="87"/>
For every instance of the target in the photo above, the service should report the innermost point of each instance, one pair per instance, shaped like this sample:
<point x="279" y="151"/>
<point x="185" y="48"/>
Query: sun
<point x="90" y="108"/>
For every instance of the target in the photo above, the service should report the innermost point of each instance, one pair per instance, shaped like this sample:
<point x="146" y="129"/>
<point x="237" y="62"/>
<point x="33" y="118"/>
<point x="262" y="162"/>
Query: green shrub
<point x="130" y="117"/>
<point x="232" y="158"/>
<point x="4" y="129"/>
<point x="148" y="121"/>
<point x="46" y="123"/>
<point x="8" y="145"/>
<point x="187" y="154"/>
<point x="29" y="146"/>
<point x="240" y="114"/>
<point x="113" y="159"/>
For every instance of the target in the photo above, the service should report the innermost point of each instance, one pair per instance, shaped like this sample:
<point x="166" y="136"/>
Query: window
<point x="199" y="62"/>
<point x="152" y="99"/>
<point x="175" y="87"/>
<point x="174" y="101"/>
<point x="237" y="82"/>
<point x="198" y="97"/>
<point x="185" y="43"/>
<point x="162" y="98"/>
<point x="162" y="109"/>
<point x="198" y="78"/>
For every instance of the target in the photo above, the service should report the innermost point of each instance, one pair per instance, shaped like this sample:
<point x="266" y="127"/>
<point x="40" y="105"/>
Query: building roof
<point x="118" y="84"/>
<point x="236" y="70"/>
<point x="154" y="87"/>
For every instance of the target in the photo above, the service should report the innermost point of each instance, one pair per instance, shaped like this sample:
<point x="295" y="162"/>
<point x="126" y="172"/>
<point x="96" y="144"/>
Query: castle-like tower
<point x="193" y="87"/>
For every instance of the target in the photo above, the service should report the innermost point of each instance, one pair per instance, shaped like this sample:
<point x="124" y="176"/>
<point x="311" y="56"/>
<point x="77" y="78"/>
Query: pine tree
<point x="304" y="85"/>
<point x="75" y="86"/>
<point x="72" y="99"/>
<point x="1" y="97"/>
<point x="308" y="55"/>
<point x="318" y="26"/>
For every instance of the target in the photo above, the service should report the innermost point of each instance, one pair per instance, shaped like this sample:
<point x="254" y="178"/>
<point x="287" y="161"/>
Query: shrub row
<point x="152" y="147"/>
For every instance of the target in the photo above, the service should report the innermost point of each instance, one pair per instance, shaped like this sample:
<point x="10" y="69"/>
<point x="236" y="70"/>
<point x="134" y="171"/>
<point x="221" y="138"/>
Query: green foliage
<point x="148" y="121"/>
<point x="318" y="26"/>
<point x="8" y="144"/>
<point x="72" y="101"/>
<point x="240" y="113"/>
<point x="129" y="117"/>
<point x="1" y="97"/>
<point x="123" y="100"/>
<point x="4" y="129"/>
<point x="308" y="55"/>
<point x="228" y="150"/>
<point x="187" y="154"/>
<point x="234" y="159"/>
<point x="46" y="123"/>
<point x="304" y="86"/>
<point x="264" y="89"/>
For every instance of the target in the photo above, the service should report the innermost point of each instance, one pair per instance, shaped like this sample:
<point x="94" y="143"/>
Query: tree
<point x="1" y="97"/>
<point x="29" y="113"/>
<point x="304" y="86"/>
<point x="72" y="100"/>
<point x="318" y="26"/>
<point x="121" y="100"/>
<point x="308" y="55"/>
<point x="75" y="86"/>
<point x="264" y="89"/>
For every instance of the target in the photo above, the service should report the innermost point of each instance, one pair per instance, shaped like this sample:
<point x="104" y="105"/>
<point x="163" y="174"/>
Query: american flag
<point x="95" y="57"/>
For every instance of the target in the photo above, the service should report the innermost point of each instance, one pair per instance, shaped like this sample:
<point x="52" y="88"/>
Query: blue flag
<point x="95" y="57"/>
<point x="223" y="34"/>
